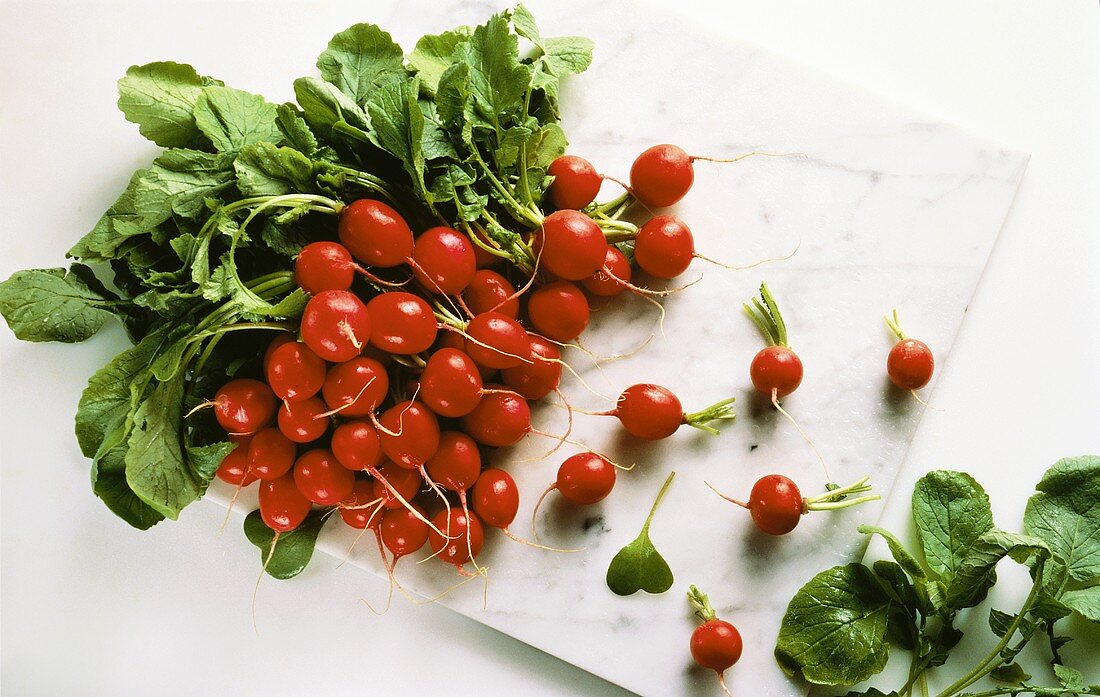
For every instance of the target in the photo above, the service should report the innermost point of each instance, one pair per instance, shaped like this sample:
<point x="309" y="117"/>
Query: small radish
<point x="321" y="479"/>
<point x="910" y="363"/>
<point x="456" y="464"/>
<point x="776" y="371"/>
<point x="336" y="325"/>
<point x="280" y="339"/>
<point x="611" y="278"/>
<point x="584" y="479"/>
<point x="324" y="266"/>
<point x="664" y="247"/>
<point x="558" y="310"/>
<point x="294" y="371"/>
<point x="270" y="454"/>
<point x="445" y="260"/>
<point x="539" y="377"/>
<point x="358" y="509"/>
<point x="497" y="341"/>
<point x="661" y="175"/>
<point x="715" y="644"/>
<point x="234" y="467"/>
<point x="409" y="434"/>
<point x="356" y="387"/>
<point x="451" y="384"/>
<point x="500" y="419"/>
<point x="776" y="504"/>
<point x="375" y="233"/>
<point x="406" y="482"/>
<point x="304" y="421"/>
<point x="495" y="499"/>
<point x="403" y="532"/>
<point x="488" y="291"/>
<point x="576" y="182"/>
<point x="465" y="536"/>
<point x="357" y="446"/>
<point x="401" y="323"/>
<point x="244" y="406"/>
<point x="570" y="245"/>
<point x="653" y="412"/>
<point x="282" y="506"/>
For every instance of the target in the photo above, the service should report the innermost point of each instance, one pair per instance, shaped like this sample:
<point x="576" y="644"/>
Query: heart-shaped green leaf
<point x="639" y="566"/>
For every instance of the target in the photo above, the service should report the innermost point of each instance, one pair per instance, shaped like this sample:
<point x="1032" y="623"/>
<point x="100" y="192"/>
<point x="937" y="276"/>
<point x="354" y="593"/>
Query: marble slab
<point x="887" y="209"/>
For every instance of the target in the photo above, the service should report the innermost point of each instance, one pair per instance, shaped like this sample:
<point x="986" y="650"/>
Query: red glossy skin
<point x="375" y="233"/>
<point x="487" y="290"/>
<point x="322" y="479"/>
<point x="402" y="532"/>
<point x="336" y="325"/>
<point x="776" y="368"/>
<point x="576" y="182"/>
<point x="558" y="310"/>
<point x="541" y="376"/>
<point x="270" y="454"/>
<point x="585" y="478"/>
<point x="495" y="498"/>
<point x="360" y="518"/>
<point x="661" y="176"/>
<point x="407" y="482"/>
<point x="450" y="384"/>
<point x="280" y="339"/>
<point x="501" y="342"/>
<point x="910" y="364"/>
<point x="419" y="434"/>
<point x="457" y="463"/>
<point x="244" y="406"/>
<point x="649" y="411"/>
<point x="301" y="421"/>
<point x="775" y="504"/>
<point x="462" y="527"/>
<point x="716" y="644"/>
<point x="282" y="506"/>
<point x="664" y="247"/>
<point x="357" y="446"/>
<point x="401" y="323"/>
<point x="234" y="467"/>
<point x="500" y="419"/>
<point x="356" y="387"/>
<point x="324" y="266"/>
<point x="570" y="244"/>
<point x="604" y="284"/>
<point x="445" y="260"/>
<point x="294" y="372"/>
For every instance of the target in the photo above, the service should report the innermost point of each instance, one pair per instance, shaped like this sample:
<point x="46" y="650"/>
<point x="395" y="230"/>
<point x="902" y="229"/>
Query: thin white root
<point x="820" y="458"/>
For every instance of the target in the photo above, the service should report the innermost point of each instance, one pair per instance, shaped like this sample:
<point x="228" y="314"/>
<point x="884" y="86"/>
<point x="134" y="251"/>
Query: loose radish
<point x="375" y="233"/>
<point x="304" y="421"/>
<point x="611" y="278"/>
<point x="715" y="644"/>
<point x="570" y="245"/>
<point x="451" y="384"/>
<point x="776" y="371"/>
<point x="576" y="182"/>
<point x="409" y="434"/>
<point x="324" y="266"/>
<point x="488" y="291"/>
<point x="282" y="506"/>
<point x="776" y="504"/>
<point x="558" y="310"/>
<point x="270" y="454"/>
<point x="653" y="412"/>
<point x="336" y="325"/>
<point x="234" y="467"/>
<point x="244" y="406"/>
<point x="389" y="478"/>
<point x="445" y="260"/>
<point x="294" y="372"/>
<point x="584" y="479"/>
<point x="497" y="341"/>
<point x="462" y="539"/>
<point x="500" y="419"/>
<point x="401" y="323"/>
<point x="910" y="363"/>
<point x="356" y="387"/>
<point x="539" y="377"/>
<point x="357" y="446"/>
<point x="661" y="175"/>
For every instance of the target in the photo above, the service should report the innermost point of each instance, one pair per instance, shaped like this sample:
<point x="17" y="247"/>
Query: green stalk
<point x="721" y="411"/>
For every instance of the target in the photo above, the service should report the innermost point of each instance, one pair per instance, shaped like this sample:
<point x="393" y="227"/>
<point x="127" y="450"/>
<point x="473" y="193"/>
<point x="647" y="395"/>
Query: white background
<point x="92" y="607"/>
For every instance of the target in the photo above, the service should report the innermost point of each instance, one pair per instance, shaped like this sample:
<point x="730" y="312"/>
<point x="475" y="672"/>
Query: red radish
<point x="910" y="363"/>
<point x="406" y="482"/>
<point x="661" y="175"/>
<point x="450" y="384"/>
<point x="270" y="454"/>
<point x="558" y="310"/>
<point x="484" y="258"/>
<point x="570" y="245"/>
<point x="294" y="371"/>
<point x="467" y="537"/>
<point x="499" y="420"/>
<point x="455" y="340"/>
<point x="488" y="291"/>
<point x="496" y="502"/>
<point x="304" y="421"/>
<point x="244" y="406"/>
<point x="321" y="479"/>
<point x="776" y="504"/>
<point x="357" y="446"/>
<point x="715" y="644"/>
<point x="356" y="387"/>
<point x="776" y="371"/>
<point x="653" y="412"/>
<point x="541" y="376"/>
<point x="409" y="434"/>
<point x="445" y="260"/>
<point x="280" y="339"/>
<point x="403" y="532"/>
<point x="664" y="247"/>
<point x="576" y="182"/>
<point x="324" y="266"/>
<point x="234" y="467"/>
<point x="282" y="506"/>
<point x="336" y="325"/>
<point x="584" y="479"/>
<point x="611" y="278"/>
<point x="358" y="509"/>
<point x="497" y="341"/>
<point x="456" y="464"/>
<point x="401" y="323"/>
<point x="375" y="233"/>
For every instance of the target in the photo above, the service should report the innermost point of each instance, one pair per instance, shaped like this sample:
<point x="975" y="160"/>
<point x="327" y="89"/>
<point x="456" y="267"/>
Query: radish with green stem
<point x="652" y="412"/>
<point x="776" y="504"/>
<point x="715" y="644"/>
<point x="910" y="363"/>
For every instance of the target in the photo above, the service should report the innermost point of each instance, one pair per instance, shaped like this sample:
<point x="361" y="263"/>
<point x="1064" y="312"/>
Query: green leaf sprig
<point x="639" y="566"/>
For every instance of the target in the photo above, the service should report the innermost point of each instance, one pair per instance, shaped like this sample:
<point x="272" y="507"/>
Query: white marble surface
<point x="756" y="177"/>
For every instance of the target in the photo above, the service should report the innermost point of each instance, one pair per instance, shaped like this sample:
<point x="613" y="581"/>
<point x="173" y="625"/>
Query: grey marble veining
<point x="887" y="210"/>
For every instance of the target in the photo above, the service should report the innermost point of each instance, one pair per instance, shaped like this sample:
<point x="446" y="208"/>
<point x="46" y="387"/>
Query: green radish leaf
<point x="1085" y="601"/>
<point x="361" y="58"/>
<point x="568" y="55"/>
<point x="1066" y="514"/>
<point x="265" y="169"/>
<point x="296" y="131"/>
<point x="293" y="550"/>
<point x="109" y="484"/>
<point x="1011" y="673"/>
<point x="974" y="575"/>
<point x="180" y="182"/>
<point x="52" y="305"/>
<point x="639" y="566"/>
<point x="498" y="80"/>
<point x="873" y="692"/>
<point x="434" y="53"/>
<point x="232" y="119"/>
<point x="329" y="111"/>
<point x="1071" y="678"/>
<point x="834" y="630"/>
<point x="999" y="622"/>
<point x="397" y="125"/>
<point x="160" y="98"/>
<point x="951" y="511"/>
<point x="897" y="549"/>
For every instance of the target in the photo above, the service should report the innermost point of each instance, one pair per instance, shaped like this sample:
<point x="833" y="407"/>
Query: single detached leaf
<point x="974" y="575"/>
<point x="1085" y="601"/>
<point x="109" y="484"/>
<point x="434" y="53"/>
<point x="293" y="549"/>
<point x="160" y="98"/>
<point x="1066" y="514"/>
<point x="232" y="119"/>
<point x="359" y="59"/>
<point x="639" y="566"/>
<point x="51" y="305"/>
<point x="897" y="549"/>
<point x="834" y="630"/>
<point x="951" y="511"/>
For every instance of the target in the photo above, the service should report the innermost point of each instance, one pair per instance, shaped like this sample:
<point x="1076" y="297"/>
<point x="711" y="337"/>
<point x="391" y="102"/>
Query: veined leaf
<point x="160" y="98"/>
<point x="51" y="305"/>
<point x="951" y="511"/>
<point x="361" y="58"/>
<point x="232" y="118"/>
<point x="434" y="53"/>
<point x="1066" y="514"/>
<point x="293" y="550"/>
